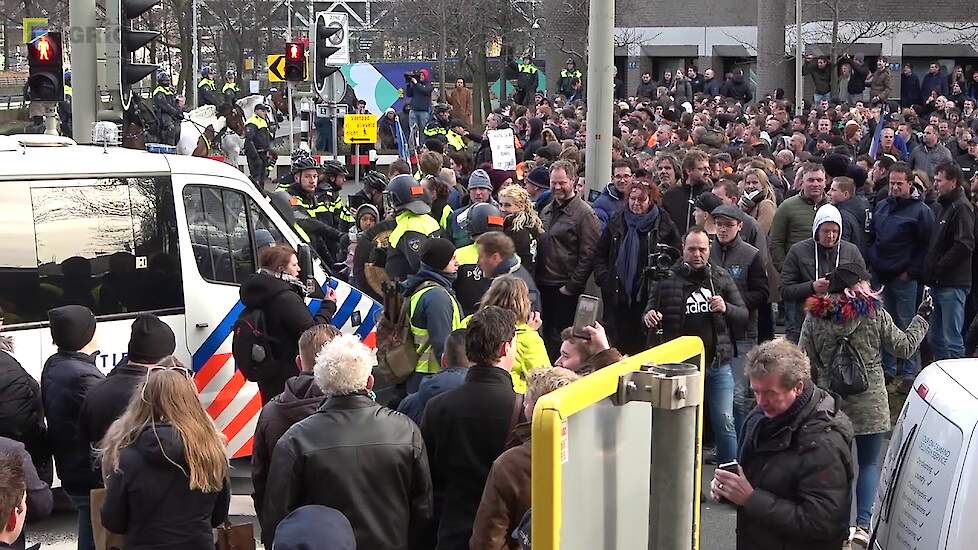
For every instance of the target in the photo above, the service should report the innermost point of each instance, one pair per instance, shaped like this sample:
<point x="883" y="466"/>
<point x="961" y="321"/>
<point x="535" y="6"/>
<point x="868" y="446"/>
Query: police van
<point x="928" y="489"/>
<point x="125" y="231"/>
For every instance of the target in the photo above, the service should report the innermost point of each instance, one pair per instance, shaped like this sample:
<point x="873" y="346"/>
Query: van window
<point x="225" y="226"/>
<point x="109" y="244"/>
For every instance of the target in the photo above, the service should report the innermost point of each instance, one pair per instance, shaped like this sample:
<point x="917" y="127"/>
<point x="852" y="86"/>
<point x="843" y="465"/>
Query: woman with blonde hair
<point x="522" y="223"/>
<point x="510" y="292"/>
<point x="758" y="198"/>
<point x="165" y="467"/>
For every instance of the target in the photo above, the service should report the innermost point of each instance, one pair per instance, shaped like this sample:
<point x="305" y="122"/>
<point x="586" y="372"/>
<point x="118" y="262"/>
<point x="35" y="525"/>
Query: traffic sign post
<point x="359" y="129"/>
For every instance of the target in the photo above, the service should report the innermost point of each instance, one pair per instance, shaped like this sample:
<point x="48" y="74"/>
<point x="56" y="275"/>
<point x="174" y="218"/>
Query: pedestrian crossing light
<point x="295" y="61"/>
<point x="121" y="42"/>
<point x="46" y="79"/>
<point x="329" y="37"/>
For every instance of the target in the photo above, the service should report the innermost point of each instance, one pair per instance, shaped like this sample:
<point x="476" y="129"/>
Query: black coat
<point x="678" y="202"/>
<point x="800" y="466"/>
<point x="22" y="413"/>
<point x="948" y="260"/>
<point x="65" y="381"/>
<point x="300" y="399"/>
<point x="106" y="402"/>
<point x="465" y="430"/>
<point x="150" y="501"/>
<point x="363" y="459"/>
<point x="606" y="255"/>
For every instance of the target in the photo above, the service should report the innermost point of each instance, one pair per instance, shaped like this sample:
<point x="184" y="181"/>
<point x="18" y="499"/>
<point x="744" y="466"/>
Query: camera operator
<point x="699" y="299"/>
<point x="626" y="251"/>
<point x="418" y="89"/>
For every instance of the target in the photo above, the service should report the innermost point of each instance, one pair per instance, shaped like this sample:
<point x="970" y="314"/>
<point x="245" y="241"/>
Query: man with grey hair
<point x="792" y="484"/>
<point x="352" y="454"/>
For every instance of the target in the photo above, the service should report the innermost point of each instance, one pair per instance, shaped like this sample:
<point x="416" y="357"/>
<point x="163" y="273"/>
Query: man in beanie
<point x="537" y="184"/>
<point x="480" y="191"/>
<point x="150" y="341"/>
<point x="315" y="527"/>
<point x="434" y="311"/>
<point x="66" y="379"/>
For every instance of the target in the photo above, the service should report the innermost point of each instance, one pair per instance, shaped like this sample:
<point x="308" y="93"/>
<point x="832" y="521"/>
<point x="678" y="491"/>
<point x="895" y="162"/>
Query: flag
<point x="402" y="144"/>
<point x="874" y="147"/>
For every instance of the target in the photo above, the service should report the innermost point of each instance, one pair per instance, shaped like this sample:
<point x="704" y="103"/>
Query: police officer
<point x="207" y="89"/>
<point x="64" y="107"/>
<point x="333" y="177"/>
<point x="471" y="282"/>
<point x="230" y="89"/>
<point x="374" y="185"/>
<point x="311" y="211"/>
<point x="526" y="82"/>
<point x="565" y="84"/>
<point x="167" y="112"/>
<point x="440" y="128"/>
<point x="413" y="228"/>
<point x="258" y="139"/>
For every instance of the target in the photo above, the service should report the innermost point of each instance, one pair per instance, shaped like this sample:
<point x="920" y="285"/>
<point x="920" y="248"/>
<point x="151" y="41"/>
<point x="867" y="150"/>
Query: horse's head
<point x="280" y="102"/>
<point x="235" y="120"/>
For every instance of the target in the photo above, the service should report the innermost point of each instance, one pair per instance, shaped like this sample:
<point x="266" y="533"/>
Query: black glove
<point x="926" y="307"/>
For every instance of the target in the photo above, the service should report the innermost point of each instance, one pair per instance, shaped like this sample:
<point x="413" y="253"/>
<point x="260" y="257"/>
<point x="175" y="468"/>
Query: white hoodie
<point x="827" y="213"/>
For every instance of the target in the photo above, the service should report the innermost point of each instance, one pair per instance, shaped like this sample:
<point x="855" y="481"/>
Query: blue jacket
<point x="431" y="386"/>
<point x="434" y="311"/>
<point x="420" y="95"/>
<point x="909" y="90"/>
<point x="933" y="82"/>
<point x="542" y="200"/>
<point x="899" y="238"/>
<point x="608" y="204"/>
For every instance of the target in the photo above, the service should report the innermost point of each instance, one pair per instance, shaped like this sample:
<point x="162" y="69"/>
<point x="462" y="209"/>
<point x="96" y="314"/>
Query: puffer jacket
<point x="948" y="261"/>
<point x="567" y="244"/>
<point x="608" y="203"/>
<point x="899" y="238"/>
<point x="800" y="466"/>
<point x="22" y="413"/>
<point x="869" y="328"/>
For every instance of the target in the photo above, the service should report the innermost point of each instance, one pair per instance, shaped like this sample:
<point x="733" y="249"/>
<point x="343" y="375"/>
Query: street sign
<point x="341" y="39"/>
<point x="276" y="68"/>
<point x="360" y="128"/>
<point x="325" y="110"/>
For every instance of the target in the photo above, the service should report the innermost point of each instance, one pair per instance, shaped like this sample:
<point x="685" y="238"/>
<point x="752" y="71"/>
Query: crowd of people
<point x="851" y="224"/>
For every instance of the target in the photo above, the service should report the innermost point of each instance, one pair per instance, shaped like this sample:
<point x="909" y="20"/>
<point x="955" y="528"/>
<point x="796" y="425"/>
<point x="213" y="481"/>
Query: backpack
<point x="846" y="374"/>
<point x="251" y="345"/>
<point x="397" y="354"/>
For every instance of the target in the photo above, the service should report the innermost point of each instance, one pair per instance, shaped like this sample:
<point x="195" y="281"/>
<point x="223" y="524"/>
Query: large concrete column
<point x="771" y="65"/>
<point x="83" y="68"/>
<point x="600" y="92"/>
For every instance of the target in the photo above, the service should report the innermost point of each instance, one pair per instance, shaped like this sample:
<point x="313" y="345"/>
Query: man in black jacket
<point x="678" y="200"/>
<point x="13" y="499"/>
<point x="699" y="299"/>
<point x="300" y="399"/>
<point x="947" y="266"/>
<point x="466" y="429"/>
<point x="352" y="454"/>
<point x="66" y="379"/>
<point x="21" y="410"/>
<point x="792" y="487"/>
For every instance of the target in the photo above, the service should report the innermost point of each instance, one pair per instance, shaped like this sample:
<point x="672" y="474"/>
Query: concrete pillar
<point x="771" y="64"/>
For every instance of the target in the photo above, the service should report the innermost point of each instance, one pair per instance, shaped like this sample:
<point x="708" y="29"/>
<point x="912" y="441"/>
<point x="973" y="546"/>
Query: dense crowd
<point x="851" y="224"/>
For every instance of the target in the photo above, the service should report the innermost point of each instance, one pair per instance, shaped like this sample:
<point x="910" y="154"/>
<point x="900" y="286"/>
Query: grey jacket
<point x="928" y="158"/>
<point x="746" y="267"/>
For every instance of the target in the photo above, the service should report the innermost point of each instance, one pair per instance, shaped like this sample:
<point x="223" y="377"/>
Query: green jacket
<point x="871" y="330"/>
<point x="792" y="224"/>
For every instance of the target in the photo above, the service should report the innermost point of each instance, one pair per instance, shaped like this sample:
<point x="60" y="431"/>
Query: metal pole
<point x="288" y="95"/>
<point x="600" y="93"/>
<point x="335" y="123"/>
<point x="356" y="165"/>
<point x="84" y="97"/>
<point x="196" y="71"/>
<point x="799" y="83"/>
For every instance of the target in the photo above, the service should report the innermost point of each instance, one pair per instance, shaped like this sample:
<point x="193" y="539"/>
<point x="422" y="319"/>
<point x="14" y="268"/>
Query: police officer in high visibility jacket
<point x="565" y="84"/>
<point x="440" y="128"/>
<point x="167" y="112"/>
<point x="230" y="91"/>
<point x="207" y="89"/>
<point x="331" y="180"/>
<point x="258" y="139"/>
<point x="527" y="81"/>
<point x="64" y="107"/>
<point x="433" y="310"/>
<point x="413" y="226"/>
<point x="311" y="211"/>
<point x="471" y="282"/>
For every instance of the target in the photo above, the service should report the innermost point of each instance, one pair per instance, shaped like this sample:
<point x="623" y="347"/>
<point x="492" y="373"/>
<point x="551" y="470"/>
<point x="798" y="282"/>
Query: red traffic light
<point x="44" y="50"/>
<point x="295" y="51"/>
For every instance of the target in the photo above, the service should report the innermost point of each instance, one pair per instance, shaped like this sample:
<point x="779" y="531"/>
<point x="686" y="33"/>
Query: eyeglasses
<point x="182" y="370"/>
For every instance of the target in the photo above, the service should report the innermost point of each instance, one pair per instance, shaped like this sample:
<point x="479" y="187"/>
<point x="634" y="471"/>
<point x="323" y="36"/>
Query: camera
<point x="660" y="262"/>
<point x="416" y="75"/>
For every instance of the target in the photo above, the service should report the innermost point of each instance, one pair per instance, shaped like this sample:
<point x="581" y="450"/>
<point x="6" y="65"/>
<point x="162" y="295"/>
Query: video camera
<point x="416" y="75"/>
<point x="660" y="262"/>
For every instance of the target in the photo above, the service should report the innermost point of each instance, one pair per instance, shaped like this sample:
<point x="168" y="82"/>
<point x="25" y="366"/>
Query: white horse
<point x="195" y="124"/>
<point x="232" y="144"/>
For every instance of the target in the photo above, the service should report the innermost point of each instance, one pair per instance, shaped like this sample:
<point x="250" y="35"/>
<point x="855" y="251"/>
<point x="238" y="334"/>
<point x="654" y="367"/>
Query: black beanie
<point x="436" y="253"/>
<point x="72" y="327"/>
<point x="315" y="526"/>
<point x="151" y="339"/>
<point x="845" y="276"/>
<point x="707" y="202"/>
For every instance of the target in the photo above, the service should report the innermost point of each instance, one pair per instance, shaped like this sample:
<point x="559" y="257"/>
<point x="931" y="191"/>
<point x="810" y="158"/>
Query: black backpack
<point x="846" y="374"/>
<point x="251" y="345"/>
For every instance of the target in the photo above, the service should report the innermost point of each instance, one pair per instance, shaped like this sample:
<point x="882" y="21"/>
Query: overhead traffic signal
<point x="328" y="39"/>
<point x="122" y="41"/>
<point x="295" y="61"/>
<point x="46" y="80"/>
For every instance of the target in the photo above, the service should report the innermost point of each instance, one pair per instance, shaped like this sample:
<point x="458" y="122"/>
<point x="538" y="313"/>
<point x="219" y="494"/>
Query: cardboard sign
<point x="503" y="149"/>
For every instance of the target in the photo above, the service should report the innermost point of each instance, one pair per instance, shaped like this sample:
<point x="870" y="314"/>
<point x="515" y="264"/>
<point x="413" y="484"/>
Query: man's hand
<point x="565" y="291"/>
<point x="652" y="318"/>
<point x="534" y="320"/>
<point x="717" y="305"/>
<point x="330" y="294"/>
<point x="597" y="338"/>
<point x="820" y="286"/>
<point x="732" y="487"/>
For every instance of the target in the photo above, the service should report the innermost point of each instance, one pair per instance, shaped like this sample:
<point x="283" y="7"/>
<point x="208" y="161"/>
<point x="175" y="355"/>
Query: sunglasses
<point x="182" y="370"/>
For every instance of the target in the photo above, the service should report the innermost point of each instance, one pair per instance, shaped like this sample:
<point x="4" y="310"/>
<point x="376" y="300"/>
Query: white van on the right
<point x="928" y="490"/>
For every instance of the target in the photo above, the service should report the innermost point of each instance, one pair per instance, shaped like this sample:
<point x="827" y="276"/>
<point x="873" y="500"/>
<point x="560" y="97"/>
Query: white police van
<point x="124" y="231"/>
<point x="928" y="490"/>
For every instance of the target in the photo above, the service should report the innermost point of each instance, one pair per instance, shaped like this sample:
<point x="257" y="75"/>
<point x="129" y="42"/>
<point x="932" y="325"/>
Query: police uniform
<point x="471" y="283"/>
<point x="258" y="139"/>
<point x="566" y="79"/>
<point x="206" y="95"/>
<point x="527" y="83"/>
<point x="411" y="231"/>
<point x="168" y="114"/>
<point x="440" y="131"/>
<point x="230" y="92"/>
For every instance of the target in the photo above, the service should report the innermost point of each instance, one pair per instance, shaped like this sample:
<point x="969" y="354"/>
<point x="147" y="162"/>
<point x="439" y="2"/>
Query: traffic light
<point x="46" y="80"/>
<point x="121" y="42"/>
<point x="328" y="37"/>
<point x="295" y="61"/>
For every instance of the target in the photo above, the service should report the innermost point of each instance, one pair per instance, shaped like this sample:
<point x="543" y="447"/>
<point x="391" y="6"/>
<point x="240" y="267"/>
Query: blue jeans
<point x="83" y="503"/>
<point x="868" y="449"/>
<point x="900" y="300"/>
<point x="820" y="97"/>
<point x="793" y="318"/>
<point x="947" y="322"/>
<point x="419" y="119"/>
<point x="743" y="400"/>
<point x="719" y="389"/>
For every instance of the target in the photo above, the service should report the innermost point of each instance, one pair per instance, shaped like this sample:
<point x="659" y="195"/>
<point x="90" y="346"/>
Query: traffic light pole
<point x="600" y="93"/>
<point x="84" y="97"/>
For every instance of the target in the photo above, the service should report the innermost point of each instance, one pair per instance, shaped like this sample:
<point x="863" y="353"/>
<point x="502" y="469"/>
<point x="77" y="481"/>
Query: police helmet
<point x="442" y="108"/>
<point x="304" y="162"/>
<point x="67" y="76"/>
<point x="162" y="76"/>
<point x="406" y="193"/>
<point x="375" y="181"/>
<point x="230" y="72"/>
<point x="205" y="71"/>
<point x="334" y="168"/>
<point x="483" y="218"/>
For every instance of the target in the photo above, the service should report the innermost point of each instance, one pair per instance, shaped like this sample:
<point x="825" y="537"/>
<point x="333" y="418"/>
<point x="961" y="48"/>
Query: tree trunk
<point x="480" y="82"/>
<point x="833" y="53"/>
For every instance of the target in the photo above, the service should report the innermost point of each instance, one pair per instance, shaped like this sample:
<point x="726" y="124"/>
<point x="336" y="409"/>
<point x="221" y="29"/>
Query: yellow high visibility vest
<point x="427" y="362"/>
<point x="409" y="221"/>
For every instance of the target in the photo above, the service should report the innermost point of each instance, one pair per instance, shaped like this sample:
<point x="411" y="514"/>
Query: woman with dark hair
<point x="534" y="137"/>
<point x="622" y="258"/>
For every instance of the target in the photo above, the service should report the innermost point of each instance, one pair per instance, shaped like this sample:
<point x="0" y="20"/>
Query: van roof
<point x="964" y="372"/>
<point x="61" y="158"/>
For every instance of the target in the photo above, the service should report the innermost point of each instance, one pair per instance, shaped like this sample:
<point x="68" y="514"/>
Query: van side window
<point x="109" y="244"/>
<point x="225" y="227"/>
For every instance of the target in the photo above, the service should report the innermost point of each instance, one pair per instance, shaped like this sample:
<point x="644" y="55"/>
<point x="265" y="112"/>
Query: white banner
<point x="503" y="149"/>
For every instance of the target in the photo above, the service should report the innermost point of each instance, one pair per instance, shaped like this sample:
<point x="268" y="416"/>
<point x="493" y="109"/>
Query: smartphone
<point x="926" y="295"/>
<point x="586" y="314"/>
<point x="729" y="467"/>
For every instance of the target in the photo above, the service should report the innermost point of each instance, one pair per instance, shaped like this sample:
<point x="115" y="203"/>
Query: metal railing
<point x="17" y="101"/>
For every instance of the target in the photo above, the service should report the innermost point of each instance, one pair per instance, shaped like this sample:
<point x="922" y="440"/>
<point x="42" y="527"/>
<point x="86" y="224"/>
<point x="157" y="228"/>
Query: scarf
<point x="636" y="225"/>
<point x="763" y="428"/>
<point x="839" y="308"/>
<point x="296" y="284"/>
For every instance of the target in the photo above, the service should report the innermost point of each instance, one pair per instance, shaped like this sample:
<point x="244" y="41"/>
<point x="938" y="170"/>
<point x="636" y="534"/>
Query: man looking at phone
<point x="792" y="485"/>
<point x="699" y="299"/>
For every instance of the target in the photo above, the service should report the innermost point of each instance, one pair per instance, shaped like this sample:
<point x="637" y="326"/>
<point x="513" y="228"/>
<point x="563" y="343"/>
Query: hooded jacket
<point x="534" y="140"/>
<point x="737" y="89"/>
<point x="948" y="261"/>
<point x="150" y="501"/>
<point x="899" y="238"/>
<point x="792" y="224"/>
<point x="434" y="311"/>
